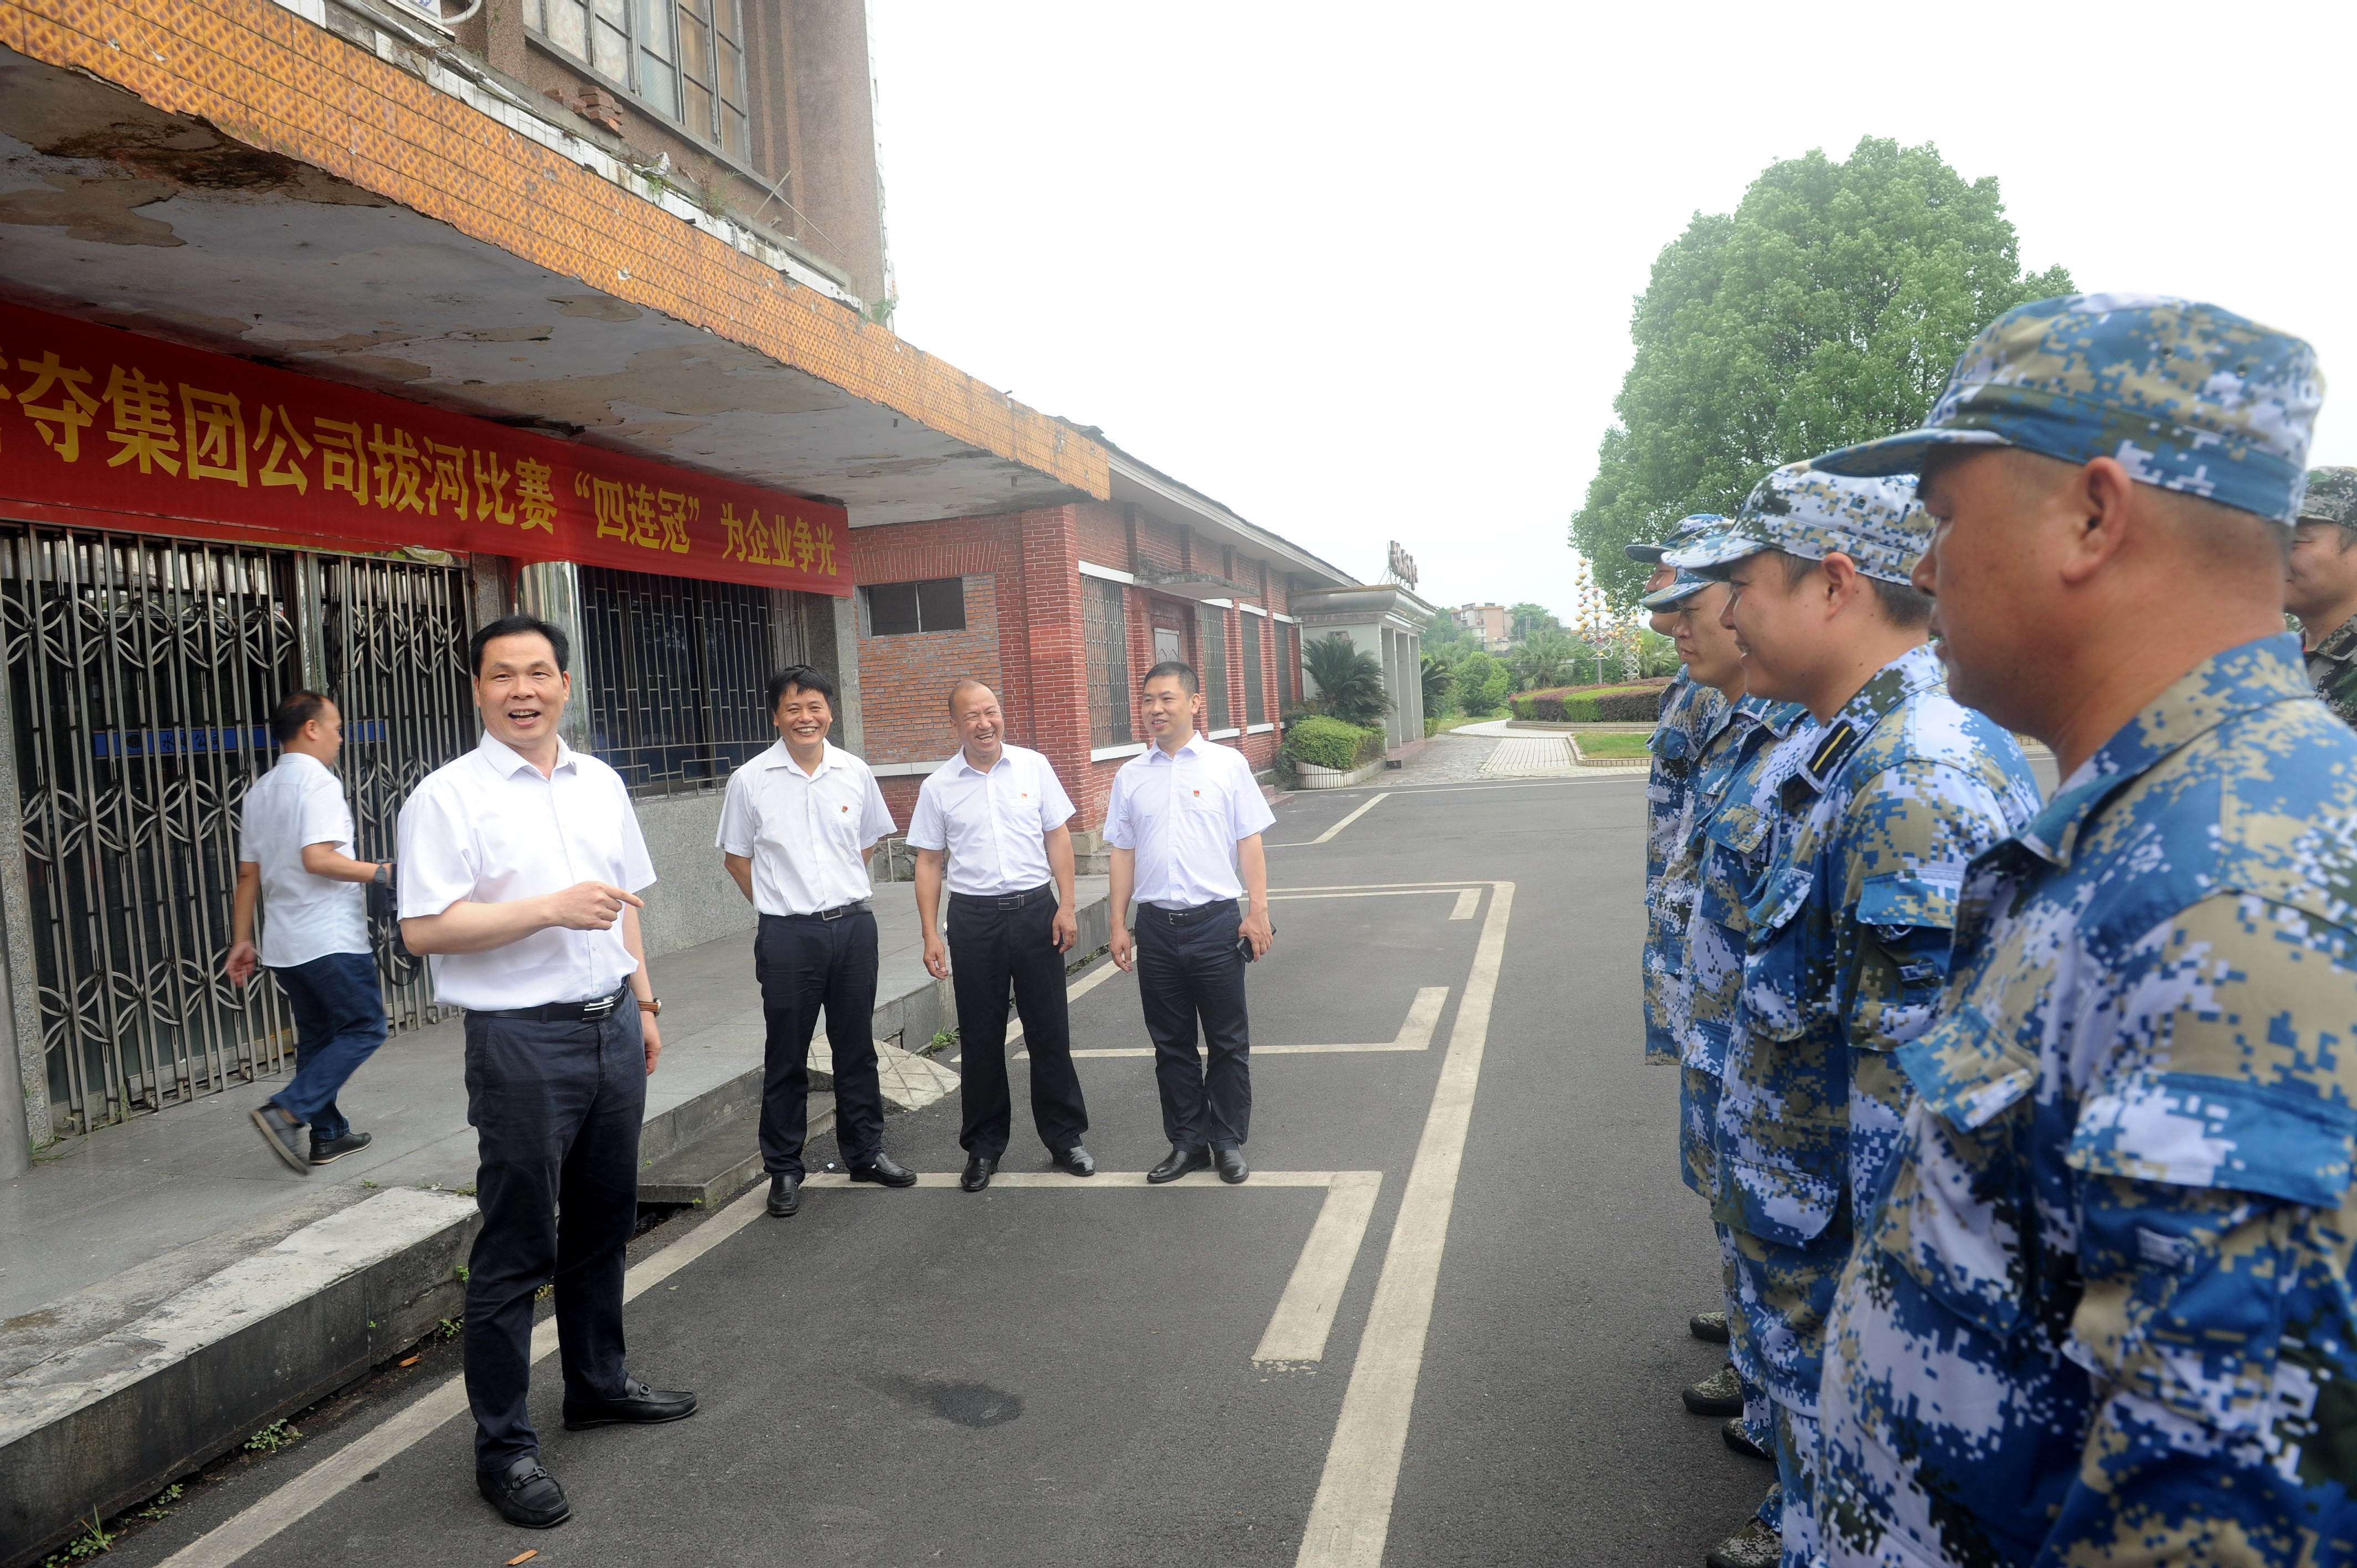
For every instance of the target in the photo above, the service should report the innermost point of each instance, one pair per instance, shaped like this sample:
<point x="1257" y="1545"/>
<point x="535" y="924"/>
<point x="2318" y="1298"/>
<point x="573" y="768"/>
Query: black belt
<point x="1187" y="917"/>
<point x="837" y="913"/>
<point x="1005" y="900"/>
<point x="560" y="1012"/>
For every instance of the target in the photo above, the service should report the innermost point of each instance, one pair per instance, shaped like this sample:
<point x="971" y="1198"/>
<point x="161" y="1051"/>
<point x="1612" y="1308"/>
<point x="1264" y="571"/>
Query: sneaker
<point x="334" y="1149"/>
<point x="283" y="1133"/>
<point x="1718" y="1394"/>
<point x="1741" y="1441"/>
<point x="1753" y="1546"/>
<point x="1708" y="1326"/>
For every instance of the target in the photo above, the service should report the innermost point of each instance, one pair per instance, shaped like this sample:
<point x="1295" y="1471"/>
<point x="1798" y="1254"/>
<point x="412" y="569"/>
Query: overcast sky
<point x="1363" y="272"/>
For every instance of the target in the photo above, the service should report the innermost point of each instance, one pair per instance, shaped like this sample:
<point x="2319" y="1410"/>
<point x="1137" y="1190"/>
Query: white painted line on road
<point x="1337" y="827"/>
<point x="231" y="1539"/>
<point x="1350" y="1517"/>
<point x="1416" y="1035"/>
<point x="1304" y="1314"/>
<point x="1379" y="892"/>
<point x="1468" y="904"/>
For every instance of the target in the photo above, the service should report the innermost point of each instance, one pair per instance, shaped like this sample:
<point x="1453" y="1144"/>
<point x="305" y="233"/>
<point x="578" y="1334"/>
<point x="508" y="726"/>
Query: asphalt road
<point x="1064" y="1373"/>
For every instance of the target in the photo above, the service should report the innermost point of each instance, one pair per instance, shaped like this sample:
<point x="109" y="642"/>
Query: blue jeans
<point x="338" y="1024"/>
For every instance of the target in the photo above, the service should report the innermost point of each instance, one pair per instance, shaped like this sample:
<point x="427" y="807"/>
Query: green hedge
<point x="1330" y="743"/>
<point x="1591" y="704"/>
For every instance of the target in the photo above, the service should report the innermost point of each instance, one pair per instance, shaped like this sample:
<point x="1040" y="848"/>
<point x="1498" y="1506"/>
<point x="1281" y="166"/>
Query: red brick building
<point x="1062" y="610"/>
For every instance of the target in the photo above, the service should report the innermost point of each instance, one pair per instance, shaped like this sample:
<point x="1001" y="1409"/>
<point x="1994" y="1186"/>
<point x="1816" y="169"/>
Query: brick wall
<point x="904" y="681"/>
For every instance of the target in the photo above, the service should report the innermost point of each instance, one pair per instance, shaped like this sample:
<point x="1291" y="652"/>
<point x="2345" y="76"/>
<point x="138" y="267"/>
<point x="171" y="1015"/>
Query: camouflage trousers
<point x="1697" y="1115"/>
<point x="1799" y="1454"/>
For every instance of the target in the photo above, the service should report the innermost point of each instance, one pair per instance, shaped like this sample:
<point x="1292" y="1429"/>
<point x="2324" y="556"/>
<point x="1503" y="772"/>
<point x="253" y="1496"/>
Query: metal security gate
<point x="141" y="674"/>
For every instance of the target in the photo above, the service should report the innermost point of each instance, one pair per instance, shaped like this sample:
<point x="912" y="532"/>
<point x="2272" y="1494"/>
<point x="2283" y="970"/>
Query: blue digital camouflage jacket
<point x="1688" y="712"/>
<point x="1846" y="950"/>
<point x="2102" y="1312"/>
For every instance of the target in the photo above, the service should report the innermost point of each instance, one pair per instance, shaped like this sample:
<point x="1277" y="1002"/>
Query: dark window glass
<point x="1104" y="637"/>
<point x="677" y="669"/>
<point x="1255" y="703"/>
<point x="1214" y="626"/>
<point x="897" y="609"/>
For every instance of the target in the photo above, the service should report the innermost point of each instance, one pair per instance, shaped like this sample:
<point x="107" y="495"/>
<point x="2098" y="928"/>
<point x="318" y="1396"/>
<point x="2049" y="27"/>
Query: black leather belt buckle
<point x="840" y="911"/>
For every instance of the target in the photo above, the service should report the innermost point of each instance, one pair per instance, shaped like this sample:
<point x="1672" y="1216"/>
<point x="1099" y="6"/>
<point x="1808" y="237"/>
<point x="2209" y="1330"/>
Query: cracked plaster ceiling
<point x="114" y="211"/>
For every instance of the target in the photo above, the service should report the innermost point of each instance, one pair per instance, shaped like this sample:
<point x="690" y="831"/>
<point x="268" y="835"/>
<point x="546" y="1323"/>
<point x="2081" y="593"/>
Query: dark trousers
<point x="556" y="1109"/>
<point x="1188" y="972"/>
<point x="991" y="946"/>
<point x="338" y="1024"/>
<point x="804" y="964"/>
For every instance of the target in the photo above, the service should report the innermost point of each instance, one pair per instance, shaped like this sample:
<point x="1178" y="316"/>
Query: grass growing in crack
<point x="272" y="1438"/>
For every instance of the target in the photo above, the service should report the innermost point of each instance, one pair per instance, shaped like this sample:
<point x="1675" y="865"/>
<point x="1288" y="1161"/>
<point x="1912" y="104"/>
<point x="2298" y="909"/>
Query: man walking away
<point x="561" y="1038"/>
<point x="296" y="858"/>
<point x="797" y="829"/>
<point x="2322" y="586"/>
<point x="999" y="813"/>
<point x="1184" y="820"/>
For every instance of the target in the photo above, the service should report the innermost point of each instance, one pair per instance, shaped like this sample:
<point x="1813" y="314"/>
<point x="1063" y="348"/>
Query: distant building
<point x="1490" y="623"/>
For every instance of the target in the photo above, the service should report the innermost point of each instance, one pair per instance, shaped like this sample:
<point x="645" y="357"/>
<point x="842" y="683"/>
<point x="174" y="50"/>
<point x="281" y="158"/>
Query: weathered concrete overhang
<point x="1365" y="602"/>
<point x="226" y="174"/>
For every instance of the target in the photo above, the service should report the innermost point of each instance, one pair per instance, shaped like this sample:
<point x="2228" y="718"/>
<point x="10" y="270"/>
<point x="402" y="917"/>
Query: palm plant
<point x="1349" y="682"/>
<point x="1546" y="659"/>
<point x="1439" y="677"/>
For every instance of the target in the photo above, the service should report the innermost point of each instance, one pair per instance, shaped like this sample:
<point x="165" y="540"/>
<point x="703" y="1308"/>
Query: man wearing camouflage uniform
<point x="2321" y="588"/>
<point x="2100" y="1313"/>
<point x="1846" y="934"/>
<point x="1732" y="820"/>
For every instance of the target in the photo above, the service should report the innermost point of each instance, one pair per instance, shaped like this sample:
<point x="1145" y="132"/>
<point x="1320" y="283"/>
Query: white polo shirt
<point x="803" y="832"/>
<point x="1183" y="815"/>
<point x="304" y="916"/>
<point x="488" y="829"/>
<point x="992" y="824"/>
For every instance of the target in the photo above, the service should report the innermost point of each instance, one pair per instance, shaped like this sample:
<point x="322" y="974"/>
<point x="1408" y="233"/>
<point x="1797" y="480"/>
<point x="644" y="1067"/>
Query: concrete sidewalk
<point x="175" y="1256"/>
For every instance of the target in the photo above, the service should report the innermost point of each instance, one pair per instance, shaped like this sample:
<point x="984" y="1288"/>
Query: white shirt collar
<point x="1195" y="742"/>
<point x="777" y="756"/>
<point x="1006" y="759"/>
<point x="507" y="760"/>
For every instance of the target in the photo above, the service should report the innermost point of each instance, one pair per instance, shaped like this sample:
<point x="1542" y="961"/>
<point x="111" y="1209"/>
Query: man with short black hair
<point x="1185" y="819"/>
<point x="296" y="858"/>
<point x="996" y="812"/>
<point x="797" y="829"/>
<point x="2322" y="586"/>
<point x="561" y="1038"/>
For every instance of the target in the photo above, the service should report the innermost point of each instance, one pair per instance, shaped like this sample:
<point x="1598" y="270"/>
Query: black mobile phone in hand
<point x="1243" y="944"/>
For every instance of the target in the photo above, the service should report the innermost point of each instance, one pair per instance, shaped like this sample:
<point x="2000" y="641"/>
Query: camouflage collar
<point x="1776" y="718"/>
<point x="2240" y="681"/>
<point x="1917" y="670"/>
<point x="2339" y="643"/>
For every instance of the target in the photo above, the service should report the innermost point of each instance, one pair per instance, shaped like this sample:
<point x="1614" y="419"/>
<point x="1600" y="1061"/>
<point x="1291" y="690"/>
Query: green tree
<point x="1545" y="659"/>
<point x="1349" y="682"/>
<point x="1827" y="309"/>
<point x="1482" y="683"/>
<point x="1524" y="621"/>
<point x="1438" y="676"/>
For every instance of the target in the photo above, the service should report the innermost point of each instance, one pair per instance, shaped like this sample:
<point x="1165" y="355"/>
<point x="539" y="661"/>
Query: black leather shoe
<point x="979" y="1169"/>
<point x="525" y="1494"/>
<point x="1230" y="1161"/>
<point x="1076" y="1161"/>
<point x="327" y="1151"/>
<point x="785" y="1196"/>
<point x="283" y="1133"/>
<point x="885" y="1171"/>
<point x="1179" y="1163"/>
<point x="1733" y="1434"/>
<point x="635" y="1405"/>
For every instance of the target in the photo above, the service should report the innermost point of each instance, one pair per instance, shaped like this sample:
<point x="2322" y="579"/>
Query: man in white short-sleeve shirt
<point x="1184" y="824"/>
<point x="296" y="858"/>
<point x="519" y="867"/>
<point x="797" y="829"/>
<point x="995" y="812"/>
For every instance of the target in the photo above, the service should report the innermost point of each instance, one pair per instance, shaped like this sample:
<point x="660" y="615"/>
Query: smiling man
<point x="561" y="1038"/>
<point x="797" y="829"/>
<point x="992" y="820"/>
<point x="2101" y="1313"/>
<point x="1845" y="939"/>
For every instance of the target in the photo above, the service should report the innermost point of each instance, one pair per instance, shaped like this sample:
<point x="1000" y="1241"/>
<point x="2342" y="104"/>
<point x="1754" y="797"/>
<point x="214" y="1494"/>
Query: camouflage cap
<point x="2332" y="497"/>
<point x="1687" y="528"/>
<point x="1803" y="511"/>
<point x="2187" y="396"/>
<point x="1674" y="596"/>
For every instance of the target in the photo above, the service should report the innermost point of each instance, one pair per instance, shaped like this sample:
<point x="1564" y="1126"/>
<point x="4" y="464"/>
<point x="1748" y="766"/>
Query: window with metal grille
<point x="1288" y="669"/>
<point x="1255" y="703"/>
<point x="1104" y="637"/>
<point x="1214" y="626"/>
<point x="895" y="609"/>
<point x="684" y="60"/>
<point x="676" y="671"/>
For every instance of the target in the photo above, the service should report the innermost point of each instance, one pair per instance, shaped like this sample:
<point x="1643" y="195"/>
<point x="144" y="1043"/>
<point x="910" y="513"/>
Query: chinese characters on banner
<point x="103" y="428"/>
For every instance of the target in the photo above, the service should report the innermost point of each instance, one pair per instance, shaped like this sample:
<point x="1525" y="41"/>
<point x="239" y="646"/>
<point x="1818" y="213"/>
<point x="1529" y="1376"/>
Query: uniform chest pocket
<point x="1783" y="998"/>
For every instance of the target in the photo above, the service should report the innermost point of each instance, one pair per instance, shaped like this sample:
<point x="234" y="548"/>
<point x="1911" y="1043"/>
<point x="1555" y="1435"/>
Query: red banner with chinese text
<point x="104" y="428"/>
